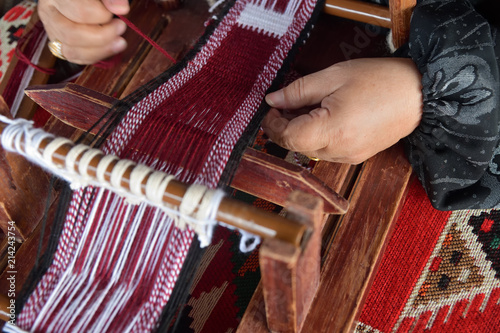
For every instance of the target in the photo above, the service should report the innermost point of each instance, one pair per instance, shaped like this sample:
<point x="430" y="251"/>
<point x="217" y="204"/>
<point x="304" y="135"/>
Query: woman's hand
<point x="355" y="109"/>
<point x="86" y="29"/>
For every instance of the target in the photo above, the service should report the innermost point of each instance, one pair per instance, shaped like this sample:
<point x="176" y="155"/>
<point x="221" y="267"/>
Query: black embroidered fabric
<point x="455" y="151"/>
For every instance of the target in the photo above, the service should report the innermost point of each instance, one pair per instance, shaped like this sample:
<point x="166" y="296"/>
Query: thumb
<point x="305" y="91"/>
<point x="305" y="133"/>
<point x="117" y="7"/>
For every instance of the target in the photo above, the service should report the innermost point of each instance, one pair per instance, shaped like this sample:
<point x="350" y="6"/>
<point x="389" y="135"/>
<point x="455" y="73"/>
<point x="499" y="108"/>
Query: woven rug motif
<point x="439" y="272"/>
<point x="12" y="25"/>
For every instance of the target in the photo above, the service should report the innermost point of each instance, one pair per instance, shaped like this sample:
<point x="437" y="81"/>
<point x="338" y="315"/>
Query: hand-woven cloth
<point x="118" y="260"/>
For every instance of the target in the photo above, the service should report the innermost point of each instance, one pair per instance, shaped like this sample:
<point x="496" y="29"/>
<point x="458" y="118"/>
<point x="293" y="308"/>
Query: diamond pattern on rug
<point x="459" y="277"/>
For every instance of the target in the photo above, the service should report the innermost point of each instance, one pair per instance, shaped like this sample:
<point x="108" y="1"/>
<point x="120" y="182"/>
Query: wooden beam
<point x="20" y="199"/>
<point x="395" y="17"/>
<point x="232" y="212"/>
<point x="352" y="257"/>
<point x="360" y="11"/>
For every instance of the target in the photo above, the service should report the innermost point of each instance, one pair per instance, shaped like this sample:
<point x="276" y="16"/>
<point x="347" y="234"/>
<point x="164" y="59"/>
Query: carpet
<point x="440" y="272"/>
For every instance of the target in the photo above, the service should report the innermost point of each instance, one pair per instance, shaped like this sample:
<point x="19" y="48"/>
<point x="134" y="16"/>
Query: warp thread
<point x="205" y="99"/>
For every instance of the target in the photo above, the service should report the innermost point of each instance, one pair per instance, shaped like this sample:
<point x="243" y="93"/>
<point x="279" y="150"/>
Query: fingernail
<point x="120" y="27"/>
<point x="119" y="7"/>
<point x="276" y="99"/>
<point x="119" y="45"/>
<point x="322" y="112"/>
<point x="278" y="125"/>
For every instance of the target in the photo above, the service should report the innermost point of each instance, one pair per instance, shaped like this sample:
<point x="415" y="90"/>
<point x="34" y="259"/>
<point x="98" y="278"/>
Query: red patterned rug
<point x="440" y="272"/>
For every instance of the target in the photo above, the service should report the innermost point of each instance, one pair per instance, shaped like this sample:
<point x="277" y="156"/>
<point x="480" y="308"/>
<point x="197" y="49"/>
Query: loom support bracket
<point x="290" y="275"/>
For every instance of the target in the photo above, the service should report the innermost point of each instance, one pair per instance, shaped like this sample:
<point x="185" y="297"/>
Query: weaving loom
<point x="216" y="169"/>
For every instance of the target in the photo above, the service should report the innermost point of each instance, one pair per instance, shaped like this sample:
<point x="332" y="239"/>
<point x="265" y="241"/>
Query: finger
<point x="88" y="55"/>
<point x="274" y="124"/>
<point x="84" y="11"/>
<point x="118" y="7"/>
<point x="305" y="133"/>
<point x="86" y="44"/>
<point x="73" y="34"/>
<point x="92" y="35"/>
<point x="305" y="91"/>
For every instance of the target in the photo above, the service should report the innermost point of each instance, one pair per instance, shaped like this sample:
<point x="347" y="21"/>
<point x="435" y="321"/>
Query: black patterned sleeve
<point x="455" y="151"/>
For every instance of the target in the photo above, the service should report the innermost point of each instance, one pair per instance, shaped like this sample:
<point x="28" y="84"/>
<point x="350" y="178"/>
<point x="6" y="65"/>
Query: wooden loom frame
<point x="337" y="265"/>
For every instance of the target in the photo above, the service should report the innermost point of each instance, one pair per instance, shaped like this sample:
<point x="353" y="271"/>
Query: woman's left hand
<point x="359" y="108"/>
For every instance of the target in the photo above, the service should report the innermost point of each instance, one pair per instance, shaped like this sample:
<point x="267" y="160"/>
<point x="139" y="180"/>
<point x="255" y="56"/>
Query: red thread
<point x="418" y="229"/>
<point x="102" y="64"/>
<point x="33" y="34"/>
<point x="152" y="42"/>
<point x="29" y="43"/>
<point x="25" y="59"/>
<point x="435" y="264"/>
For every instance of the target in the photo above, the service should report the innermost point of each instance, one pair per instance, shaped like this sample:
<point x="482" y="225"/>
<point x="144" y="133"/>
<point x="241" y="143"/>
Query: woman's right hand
<point x="86" y="29"/>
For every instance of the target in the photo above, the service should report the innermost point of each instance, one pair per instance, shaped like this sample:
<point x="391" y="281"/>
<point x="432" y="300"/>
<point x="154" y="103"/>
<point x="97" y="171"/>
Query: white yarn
<point x="190" y="201"/>
<point x="13" y="133"/>
<point x="52" y="147"/>
<point x="156" y="186"/>
<point x="102" y="167"/>
<point x="390" y="42"/>
<point x="248" y="241"/>
<point x="207" y="212"/>
<point x="10" y="328"/>
<point x="118" y="171"/>
<point x="139" y="172"/>
<point x="137" y="176"/>
<point x="73" y="154"/>
<point x="215" y="5"/>
<point x="87" y="157"/>
<point x="116" y="180"/>
<point x="203" y="221"/>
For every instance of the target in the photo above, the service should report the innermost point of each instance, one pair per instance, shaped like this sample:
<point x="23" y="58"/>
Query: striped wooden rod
<point x="231" y="212"/>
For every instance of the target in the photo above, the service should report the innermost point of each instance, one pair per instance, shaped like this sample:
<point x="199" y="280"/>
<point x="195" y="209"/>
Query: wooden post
<point x="400" y="17"/>
<point x="396" y="17"/>
<point x="290" y="274"/>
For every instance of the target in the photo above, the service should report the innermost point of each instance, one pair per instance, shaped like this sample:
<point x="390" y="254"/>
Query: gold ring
<point x="313" y="158"/>
<point x="55" y="49"/>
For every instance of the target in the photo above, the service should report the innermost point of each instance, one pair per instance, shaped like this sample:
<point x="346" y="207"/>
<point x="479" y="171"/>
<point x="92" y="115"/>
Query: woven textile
<point x="227" y="277"/>
<point x="440" y="272"/>
<point x="116" y="259"/>
<point x="12" y="25"/>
